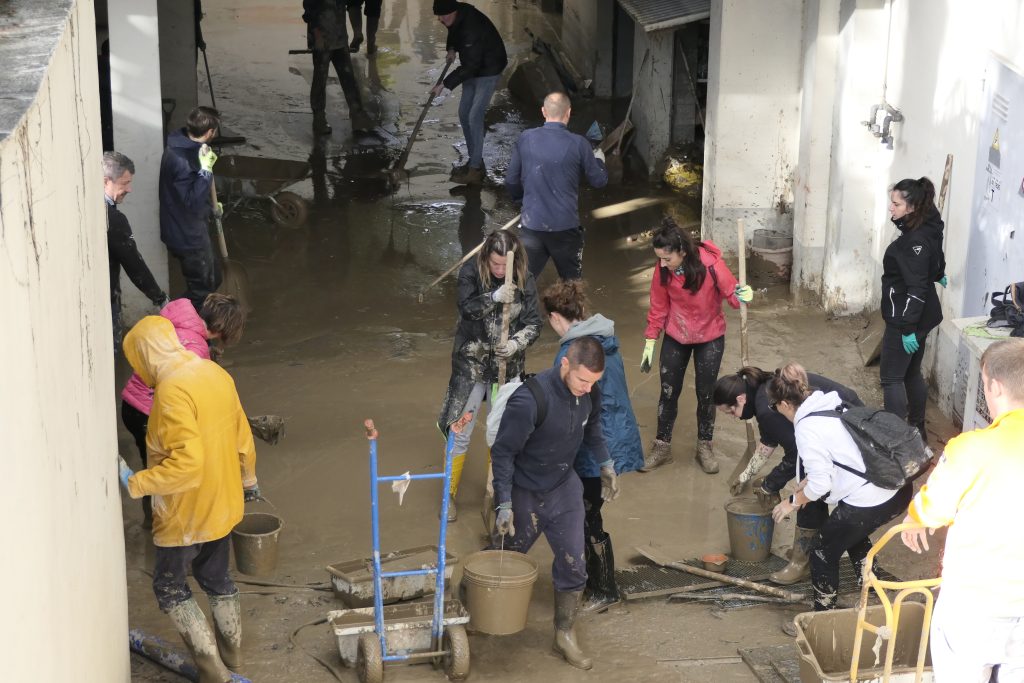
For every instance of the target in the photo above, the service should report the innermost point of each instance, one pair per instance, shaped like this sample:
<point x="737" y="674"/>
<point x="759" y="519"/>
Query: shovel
<point x="614" y="161"/>
<point x="744" y="349"/>
<point x="397" y="173"/>
<point x="236" y="278"/>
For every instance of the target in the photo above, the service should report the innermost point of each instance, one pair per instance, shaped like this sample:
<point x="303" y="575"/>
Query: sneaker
<point x="706" y="457"/>
<point x="659" y="453"/>
<point x="472" y="176"/>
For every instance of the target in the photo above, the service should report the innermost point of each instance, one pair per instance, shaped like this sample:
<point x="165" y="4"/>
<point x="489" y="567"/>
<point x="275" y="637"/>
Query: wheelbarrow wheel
<point x="456" y="657"/>
<point x="289" y="210"/>
<point x="369" y="662"/>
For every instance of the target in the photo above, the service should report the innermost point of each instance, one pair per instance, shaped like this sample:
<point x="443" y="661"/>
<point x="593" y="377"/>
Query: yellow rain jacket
<point x="200" y="446"/>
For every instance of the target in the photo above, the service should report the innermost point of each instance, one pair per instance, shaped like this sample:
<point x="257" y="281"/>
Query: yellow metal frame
<point x="892" y="609"/>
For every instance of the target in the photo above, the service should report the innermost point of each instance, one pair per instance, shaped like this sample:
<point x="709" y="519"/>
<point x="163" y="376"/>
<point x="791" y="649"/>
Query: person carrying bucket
<point x="689" y="284"/>
<point x="477" y="349"/>
<point x="566" y="305"/>
<point x="745" y="395"/>
<point x="202" y="467"/>
<point x="546" y="422"/>
<point x="826" y="450"/>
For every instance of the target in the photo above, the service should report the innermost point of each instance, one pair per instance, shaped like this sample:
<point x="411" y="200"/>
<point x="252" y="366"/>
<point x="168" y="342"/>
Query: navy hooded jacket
<point x="184" y="196"/>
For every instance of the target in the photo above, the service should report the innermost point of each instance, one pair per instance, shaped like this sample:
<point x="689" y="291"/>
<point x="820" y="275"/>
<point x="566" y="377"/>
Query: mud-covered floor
<point x="337" y="336"/>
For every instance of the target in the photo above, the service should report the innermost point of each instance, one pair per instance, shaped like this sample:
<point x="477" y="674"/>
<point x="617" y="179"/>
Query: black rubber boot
<point x="601" y="591"/>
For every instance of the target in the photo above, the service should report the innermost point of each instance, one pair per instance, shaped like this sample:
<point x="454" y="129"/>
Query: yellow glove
<point x="207" y="158"/>
<point x="744" y="293"/>
<point x="648" y="357"/>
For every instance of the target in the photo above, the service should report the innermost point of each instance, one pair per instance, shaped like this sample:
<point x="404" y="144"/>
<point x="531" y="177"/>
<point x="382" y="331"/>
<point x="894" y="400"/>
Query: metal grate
<point x="657" y="15"/>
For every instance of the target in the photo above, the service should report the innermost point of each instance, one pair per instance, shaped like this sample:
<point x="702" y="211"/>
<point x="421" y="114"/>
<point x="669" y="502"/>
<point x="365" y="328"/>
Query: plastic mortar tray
<point x="353" y="579"/>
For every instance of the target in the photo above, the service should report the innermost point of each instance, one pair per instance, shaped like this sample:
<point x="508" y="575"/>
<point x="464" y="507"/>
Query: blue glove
<point x="944" y="281"/>
<point x="910" y="343"/>
<point x="251" y="494"/>
<point x="744" y="293"/>
<point x="123" y="472"/>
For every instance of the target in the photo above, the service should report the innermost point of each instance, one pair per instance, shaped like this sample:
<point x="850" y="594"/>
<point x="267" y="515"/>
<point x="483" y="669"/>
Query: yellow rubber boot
<point x="458" y="460"/>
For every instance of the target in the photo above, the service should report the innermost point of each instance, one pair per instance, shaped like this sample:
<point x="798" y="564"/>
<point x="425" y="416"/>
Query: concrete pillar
<point x="178" y="81"/>
<point x="586" y="26"/>
<point x="652" y="108"/>
<point x="138" y="132"/>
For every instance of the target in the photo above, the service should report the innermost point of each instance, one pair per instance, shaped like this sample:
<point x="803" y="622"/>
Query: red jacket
<point x="692" y="318"/>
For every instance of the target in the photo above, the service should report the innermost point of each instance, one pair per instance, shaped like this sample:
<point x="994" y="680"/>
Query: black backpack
<point x="1008" y="309"/>
<point x="893" y="451"/>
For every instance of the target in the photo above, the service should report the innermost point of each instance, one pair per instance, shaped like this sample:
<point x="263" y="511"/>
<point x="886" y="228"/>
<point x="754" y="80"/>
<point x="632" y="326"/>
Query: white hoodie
<point x="821" y="442"/>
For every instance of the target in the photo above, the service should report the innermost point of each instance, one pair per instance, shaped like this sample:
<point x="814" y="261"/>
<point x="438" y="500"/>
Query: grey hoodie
<point x="595" y="326"/>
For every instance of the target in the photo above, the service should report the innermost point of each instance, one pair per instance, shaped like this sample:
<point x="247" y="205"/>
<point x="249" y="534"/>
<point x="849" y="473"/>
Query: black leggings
<point x="674" y="359"/>
<point x="903" y="387"/>
<point x="848" y="529"/>
<point x="593" y="523"/>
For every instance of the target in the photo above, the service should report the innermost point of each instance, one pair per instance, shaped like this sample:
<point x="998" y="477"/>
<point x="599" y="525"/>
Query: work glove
<point x="736" y="488"/>
<point x="599" y="153"/>
<point x="503" y="522"/>
<point x="648" y="357"/>
<point x="609" y="482"/>
<point x="744" y="293"/>
<point x="251" y="493"/>
<point x="218" y="210"/>
<point x="123" y="471"/>
<point x="944" y="281"/>
<point x="506" y="349"/>
<point x="505" y="294"/>
<point x="910" y="343"/>
<point x="207" y="158"/>
<point x="768" y="499"/>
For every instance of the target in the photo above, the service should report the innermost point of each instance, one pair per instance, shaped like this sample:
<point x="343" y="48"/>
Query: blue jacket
<point x="545" y="173"/>
<point x="184" y="196"/>
<point x="618" y="423"/>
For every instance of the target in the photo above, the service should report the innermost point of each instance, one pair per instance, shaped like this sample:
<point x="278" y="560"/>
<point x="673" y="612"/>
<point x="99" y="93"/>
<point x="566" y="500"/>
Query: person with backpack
<point x="477" y="349"/>
<point x="978" y="623"/>
<point x="535" y="485"/>
<point x="566" y="304"/>
<point x="745" y="395"/>
<point x="689" y="284"/>
<point x="911" y="266"/>
<point x="830" y="466"/>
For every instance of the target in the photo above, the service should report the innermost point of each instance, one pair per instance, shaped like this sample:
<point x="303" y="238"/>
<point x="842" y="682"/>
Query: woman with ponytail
<point x="745" y="395"/>
<point x="911" y="266"/>
<point x="477" y="348"/>
<point x="689" y="284"/>
<point x="828" y="459"/>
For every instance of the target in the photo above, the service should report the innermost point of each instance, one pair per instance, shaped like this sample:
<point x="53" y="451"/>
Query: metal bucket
<point x="498" y="590"/>
<point x="776" y="248"/>
<point x="750" y="529"/>
<point x="255" y="542"/>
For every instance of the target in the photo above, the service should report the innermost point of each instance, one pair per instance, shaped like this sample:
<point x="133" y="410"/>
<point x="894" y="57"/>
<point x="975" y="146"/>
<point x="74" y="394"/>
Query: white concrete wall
<point x="138" y="133"/>
<point x="753" y="116"/>
<point x="586" y="35"/>
<point x="652" y="107"/>
<point x="65" y="603"/>
<point x="178" y="80"/>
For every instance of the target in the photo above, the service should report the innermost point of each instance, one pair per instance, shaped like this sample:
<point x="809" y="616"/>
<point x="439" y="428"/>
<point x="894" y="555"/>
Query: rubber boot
<point x="706" y="457"/>
<point x="567" y="606"/>
<point x="799" y="567"/>
<point x="458" y="462"/>
<point x="658" y="453"/>
<point x="320" y="125"/>
<point x="601" y="591"/>
<point x="371" y="35"/>
<point x="356" y="18"/>
<point x="227" y="623"/>
<point x="191" y="624"/>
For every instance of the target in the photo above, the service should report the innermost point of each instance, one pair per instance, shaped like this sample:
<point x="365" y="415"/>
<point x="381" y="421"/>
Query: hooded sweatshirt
<point x="692" y="318"/>
<point x="911" y="266"/>
<point x="618" y="423"/>
<point x="191" y="331"/>
<point x="200" y="446"/>
<point x="821" y="442"/>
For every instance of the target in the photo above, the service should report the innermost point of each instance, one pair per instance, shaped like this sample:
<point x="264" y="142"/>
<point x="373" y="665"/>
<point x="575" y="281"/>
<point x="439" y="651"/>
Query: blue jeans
<point x="476" y="95"/>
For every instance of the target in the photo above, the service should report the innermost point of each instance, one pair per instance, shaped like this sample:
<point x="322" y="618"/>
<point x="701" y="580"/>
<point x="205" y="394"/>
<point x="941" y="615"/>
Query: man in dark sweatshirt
<point x="186" y="173"/>
<point x="544" y="424"/>
<point x="482" y="58"/>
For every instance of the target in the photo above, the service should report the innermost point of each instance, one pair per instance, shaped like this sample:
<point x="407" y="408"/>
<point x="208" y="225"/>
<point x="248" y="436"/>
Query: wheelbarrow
<point x="432" y="630"/>
<point x="244" y="180"/>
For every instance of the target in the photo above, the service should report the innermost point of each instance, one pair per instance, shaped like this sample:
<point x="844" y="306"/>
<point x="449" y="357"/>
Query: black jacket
<point x="480" y="47"/>
<point x="122" y="252"/>
<point x="185" y="203"/>
<point x="540" y="457"/>
<point x="912" y="264"/>
<point x="776" y="430"/>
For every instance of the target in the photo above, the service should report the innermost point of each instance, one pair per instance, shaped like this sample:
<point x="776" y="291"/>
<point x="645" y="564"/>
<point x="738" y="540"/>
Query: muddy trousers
<point x="848" y="530"/>
<point x="558" y="514"/>
<point x="903" y="387"/>
<point x="968" y="646"/>
<point x="473" y="403"/>
<point x="476" y="97"/>
<point x="342" y="61"/>
<point x="707" y="359"/>
<point x="201" y="270"/>
<point x="564" y="247"/>
<point x="209" y="563"/>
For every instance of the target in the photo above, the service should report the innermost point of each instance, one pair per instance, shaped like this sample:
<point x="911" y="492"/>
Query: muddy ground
<point x="337" y="335"/>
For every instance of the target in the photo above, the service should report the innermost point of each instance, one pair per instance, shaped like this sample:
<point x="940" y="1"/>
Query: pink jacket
<point x="692" y="318"/>
<point x="191" y="332"/>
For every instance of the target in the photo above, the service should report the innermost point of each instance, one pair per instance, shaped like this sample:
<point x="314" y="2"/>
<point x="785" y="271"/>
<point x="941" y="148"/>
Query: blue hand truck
<point x="400" y="632"/>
